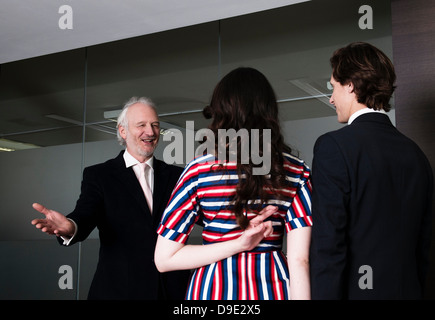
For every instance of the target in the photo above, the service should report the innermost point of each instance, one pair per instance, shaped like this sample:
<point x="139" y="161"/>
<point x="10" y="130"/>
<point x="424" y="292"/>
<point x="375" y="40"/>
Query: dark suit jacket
<point x="371" y="206"/>
<point x="112" y="200"/>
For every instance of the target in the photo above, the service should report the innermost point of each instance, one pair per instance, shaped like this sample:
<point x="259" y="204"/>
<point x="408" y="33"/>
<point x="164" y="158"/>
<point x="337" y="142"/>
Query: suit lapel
<point x="161" y="177"/>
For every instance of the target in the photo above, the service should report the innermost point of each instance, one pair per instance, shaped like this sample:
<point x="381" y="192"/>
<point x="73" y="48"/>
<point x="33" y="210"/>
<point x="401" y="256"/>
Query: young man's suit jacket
<point x="372" y="190"/>
<point x="112" y="200"/>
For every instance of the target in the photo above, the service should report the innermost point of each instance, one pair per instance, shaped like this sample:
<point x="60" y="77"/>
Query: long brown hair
<point x="244" y="99"/>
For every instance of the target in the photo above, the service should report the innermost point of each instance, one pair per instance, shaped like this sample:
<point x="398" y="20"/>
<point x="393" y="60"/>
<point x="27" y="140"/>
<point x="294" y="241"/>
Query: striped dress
<point x="205" y="191"/>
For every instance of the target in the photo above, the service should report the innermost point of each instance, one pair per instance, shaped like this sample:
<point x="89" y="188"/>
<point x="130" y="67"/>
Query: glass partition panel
<point x="41" y="102"/>
<point x="177" y="69"/>
<point x="292" y="46"/>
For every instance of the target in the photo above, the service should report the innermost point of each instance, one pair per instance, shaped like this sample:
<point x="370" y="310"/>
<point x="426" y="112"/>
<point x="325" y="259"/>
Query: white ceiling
<point x="30" y="28"/>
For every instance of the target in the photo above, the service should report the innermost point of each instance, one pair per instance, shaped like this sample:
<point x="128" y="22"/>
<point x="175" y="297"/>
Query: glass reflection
<point x="41" y="100"/>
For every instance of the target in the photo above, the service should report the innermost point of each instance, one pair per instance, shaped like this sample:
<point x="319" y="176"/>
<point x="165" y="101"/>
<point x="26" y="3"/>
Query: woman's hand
<point x="258" y="229"/>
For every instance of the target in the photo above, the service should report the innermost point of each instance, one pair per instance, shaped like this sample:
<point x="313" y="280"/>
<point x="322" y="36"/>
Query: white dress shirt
<point x="361" y="112"/>
<point x="131" y="161"/>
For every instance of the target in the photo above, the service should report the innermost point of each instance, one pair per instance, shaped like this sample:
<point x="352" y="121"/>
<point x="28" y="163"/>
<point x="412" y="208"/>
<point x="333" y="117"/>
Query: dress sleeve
<point x="181" y="212"/>
<point x="299" y="212"/>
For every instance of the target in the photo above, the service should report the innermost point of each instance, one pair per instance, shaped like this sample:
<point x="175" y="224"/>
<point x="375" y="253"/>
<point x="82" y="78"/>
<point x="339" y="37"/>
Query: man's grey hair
<point x="122" y="119"/>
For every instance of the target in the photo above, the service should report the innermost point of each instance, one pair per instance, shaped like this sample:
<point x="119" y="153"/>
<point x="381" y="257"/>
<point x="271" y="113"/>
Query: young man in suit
<point x="113" y="200"/>
<point x="372" y="190"/>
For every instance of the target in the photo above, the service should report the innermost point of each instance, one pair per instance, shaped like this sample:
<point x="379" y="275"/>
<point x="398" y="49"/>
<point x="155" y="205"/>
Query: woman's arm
<point x="298" y="245"/>
<point x="170" y="255"/>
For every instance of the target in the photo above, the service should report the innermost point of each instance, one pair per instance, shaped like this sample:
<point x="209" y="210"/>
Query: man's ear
<point x="350" y="88"/>
<point x="122" y="132"/>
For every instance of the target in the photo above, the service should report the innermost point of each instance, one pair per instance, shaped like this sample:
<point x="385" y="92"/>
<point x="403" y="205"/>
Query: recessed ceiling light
<point x="7" y="145"/>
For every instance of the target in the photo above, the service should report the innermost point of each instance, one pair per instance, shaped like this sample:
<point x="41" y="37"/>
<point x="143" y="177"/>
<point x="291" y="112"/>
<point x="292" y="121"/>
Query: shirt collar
<point x="363" y="111"/>
<point x="131" y="161"/>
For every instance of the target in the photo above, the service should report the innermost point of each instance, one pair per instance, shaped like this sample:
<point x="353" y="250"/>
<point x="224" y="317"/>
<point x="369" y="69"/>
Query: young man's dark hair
<point x="369" y="70"/>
